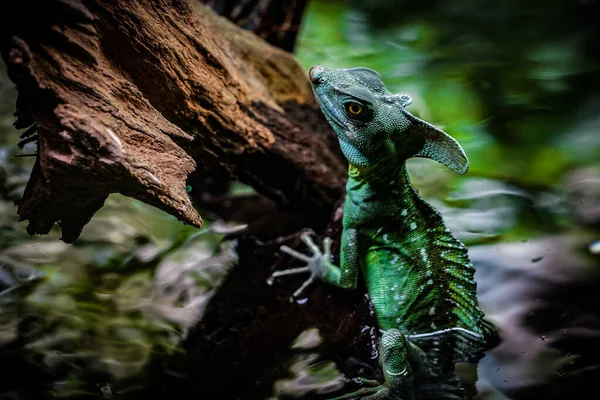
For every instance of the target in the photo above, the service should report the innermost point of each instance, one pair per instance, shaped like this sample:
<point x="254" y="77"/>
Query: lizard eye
<point x="354" y="109"/>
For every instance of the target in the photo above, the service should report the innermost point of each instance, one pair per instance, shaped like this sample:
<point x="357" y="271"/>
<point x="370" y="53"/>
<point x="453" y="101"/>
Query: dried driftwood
<point x="132" y="97"/>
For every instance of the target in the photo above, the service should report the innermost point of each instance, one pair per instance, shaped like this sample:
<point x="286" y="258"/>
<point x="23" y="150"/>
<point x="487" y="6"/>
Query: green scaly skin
<point x="418" y="275"/>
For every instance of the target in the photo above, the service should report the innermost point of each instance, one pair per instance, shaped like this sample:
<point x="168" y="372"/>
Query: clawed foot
<point x="377" y="391"/>
<point x="316" y="264"/>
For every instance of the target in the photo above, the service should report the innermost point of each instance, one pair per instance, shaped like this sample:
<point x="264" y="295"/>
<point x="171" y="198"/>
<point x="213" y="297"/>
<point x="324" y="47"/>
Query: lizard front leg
<point x="319" y="265"/>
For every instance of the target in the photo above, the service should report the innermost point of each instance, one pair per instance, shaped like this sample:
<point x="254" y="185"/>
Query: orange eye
<point x="354" y="108"/>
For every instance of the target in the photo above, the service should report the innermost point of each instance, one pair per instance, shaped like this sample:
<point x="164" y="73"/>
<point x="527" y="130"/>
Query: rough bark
<point x="132" y="97"/>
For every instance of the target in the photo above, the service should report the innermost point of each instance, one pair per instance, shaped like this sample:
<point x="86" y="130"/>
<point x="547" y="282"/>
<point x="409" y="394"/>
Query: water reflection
<point x="547" y="310"/>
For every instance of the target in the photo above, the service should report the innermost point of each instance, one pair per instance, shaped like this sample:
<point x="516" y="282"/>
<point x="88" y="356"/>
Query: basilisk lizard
<point x="418" y="275"/>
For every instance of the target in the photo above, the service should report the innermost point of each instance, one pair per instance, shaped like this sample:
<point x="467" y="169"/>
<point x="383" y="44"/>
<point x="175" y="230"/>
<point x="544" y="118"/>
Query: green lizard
<point x="418" y="275"/>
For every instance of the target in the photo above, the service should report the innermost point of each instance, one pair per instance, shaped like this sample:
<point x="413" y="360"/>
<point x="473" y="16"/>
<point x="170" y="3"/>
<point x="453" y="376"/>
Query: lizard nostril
<point x="315" y="73"/>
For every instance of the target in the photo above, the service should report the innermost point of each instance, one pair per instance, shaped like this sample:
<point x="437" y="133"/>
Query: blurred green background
<point x="515" y="82"/>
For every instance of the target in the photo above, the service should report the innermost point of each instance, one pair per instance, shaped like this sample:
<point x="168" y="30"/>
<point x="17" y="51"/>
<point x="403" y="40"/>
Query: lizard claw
<point x="365" y="381"/>
<point x="316" y="264"/>
<point x="376" y="392"/>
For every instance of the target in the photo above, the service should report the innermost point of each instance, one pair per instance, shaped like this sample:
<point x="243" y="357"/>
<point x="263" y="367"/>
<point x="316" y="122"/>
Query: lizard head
<point x="373" y="125"/>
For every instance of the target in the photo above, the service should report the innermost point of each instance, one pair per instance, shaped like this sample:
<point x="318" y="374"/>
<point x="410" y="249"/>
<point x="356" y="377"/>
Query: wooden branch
<point x="133" y="96"/>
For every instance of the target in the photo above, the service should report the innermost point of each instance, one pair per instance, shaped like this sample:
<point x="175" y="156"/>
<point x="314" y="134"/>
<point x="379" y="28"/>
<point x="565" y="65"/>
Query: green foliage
<point x="100" y="311"/>
<point x="512" y="81"/>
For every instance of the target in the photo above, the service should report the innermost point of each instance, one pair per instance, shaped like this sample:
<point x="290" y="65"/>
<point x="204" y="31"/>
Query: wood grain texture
<point x="132" y="97"/>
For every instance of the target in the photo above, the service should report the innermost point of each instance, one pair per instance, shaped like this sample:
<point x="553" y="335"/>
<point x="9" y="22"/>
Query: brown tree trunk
<point x="132" y="97"/>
